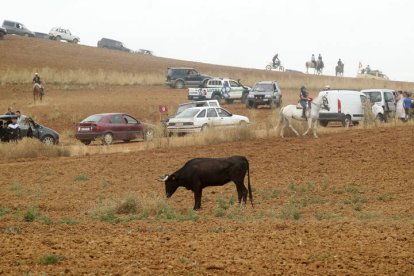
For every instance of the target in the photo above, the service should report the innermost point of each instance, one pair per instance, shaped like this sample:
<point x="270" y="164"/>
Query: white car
<point x="383" y="101"/>
<point x="63" y="34"/>
<point x="196" y="119"/>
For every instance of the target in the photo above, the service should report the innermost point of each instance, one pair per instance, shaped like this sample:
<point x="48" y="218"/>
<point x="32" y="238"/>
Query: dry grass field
<point x="339" y="205"/>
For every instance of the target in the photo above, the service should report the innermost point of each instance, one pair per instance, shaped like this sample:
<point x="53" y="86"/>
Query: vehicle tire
<point x="58" y="38"/>
<point x="1" y="36"/>
<point x="347" y="121"/>
<point x="249" y="104"/>
<point x="380" y="117"/>
<point x="355" y="123"/>
<point x="255" y="105"/>
<point x="75" y="41"/>
<point x="48" y="140"/>
<point x="86" y="142"/>
<point x="243" y="123"/>
<point x="179" y="84"/>
<point x="244" y="98"/>
<point x="205" y="128"/>
<point x="26" y="35"/>
<point x="107" y="139"/>
<point x="324" y="123"/>
<point x="268" y="67"/>
<point x="148" y="134"/>
<point x="216" y="97"/>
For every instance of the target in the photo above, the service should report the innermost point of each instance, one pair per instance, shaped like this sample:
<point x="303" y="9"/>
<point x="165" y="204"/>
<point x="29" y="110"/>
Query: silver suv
<point x="264" y="93"/>
<point x="63" y="34"/>
<point x="17" y="28"/>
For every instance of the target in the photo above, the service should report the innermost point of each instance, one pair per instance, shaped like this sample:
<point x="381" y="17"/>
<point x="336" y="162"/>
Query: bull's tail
<point x="249" y="187"/>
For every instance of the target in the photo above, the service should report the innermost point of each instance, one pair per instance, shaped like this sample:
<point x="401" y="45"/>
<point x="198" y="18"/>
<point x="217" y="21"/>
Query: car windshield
<point x="188" y="113"/>
<point x="93" y="118"/>
<point x="262" y="87"/>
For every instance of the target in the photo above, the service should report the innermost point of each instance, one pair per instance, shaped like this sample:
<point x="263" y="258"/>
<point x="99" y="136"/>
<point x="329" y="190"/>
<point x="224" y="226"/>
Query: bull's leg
<point x="197" y="199"/>
<point x="241" y="192"/>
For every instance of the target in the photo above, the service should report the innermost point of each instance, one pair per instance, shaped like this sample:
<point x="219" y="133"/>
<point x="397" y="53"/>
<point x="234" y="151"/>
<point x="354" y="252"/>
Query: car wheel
<point x="58" y="38"/>
<point x="249" y="104"/>
<point x="347" y="121"/>
<point x="26" y="35"/>
<point x="179" y="84"/>
<point x="324" y="123"/>
<point x="205" y="128"/>
<point x="86" y="142"/>
<point x="148" y="134"/>
<point x="243" y="123"/>
<point x="216" y="97"/>
<point x="75" y="41"/>
<point x="268" y="67"/>
<point x="48" y="140"/>
<point x="380" y="117"/>
<point x="107" y="139"/>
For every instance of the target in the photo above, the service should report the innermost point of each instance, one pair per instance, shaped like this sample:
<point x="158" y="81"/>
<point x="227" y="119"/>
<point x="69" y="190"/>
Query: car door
<point x="118" y="127"/>
<point x="236" y="90"/>
<point x="192" y="78"/>
<point x="135" y="128"/>
<point x="389" y="101"/>
<point x="212" y="117"/>
<point x="224" y="117"/>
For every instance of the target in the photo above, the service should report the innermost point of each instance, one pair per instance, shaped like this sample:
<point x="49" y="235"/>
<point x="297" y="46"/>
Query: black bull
<point x="199" y="173"/>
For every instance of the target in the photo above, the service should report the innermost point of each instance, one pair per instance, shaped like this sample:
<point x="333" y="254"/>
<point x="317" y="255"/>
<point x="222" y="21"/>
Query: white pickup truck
<point x="218" y="89"/>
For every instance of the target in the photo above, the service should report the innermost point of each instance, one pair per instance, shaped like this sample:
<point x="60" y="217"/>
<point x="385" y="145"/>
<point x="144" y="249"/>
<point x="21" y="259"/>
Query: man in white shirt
<point x="13" y="124"/>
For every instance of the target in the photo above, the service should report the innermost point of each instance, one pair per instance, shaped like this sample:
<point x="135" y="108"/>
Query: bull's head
<point x="171" y="184"/>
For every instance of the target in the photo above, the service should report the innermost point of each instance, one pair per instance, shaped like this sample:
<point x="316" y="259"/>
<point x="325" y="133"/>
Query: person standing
<point x="399" y="108"/>
<point x="304" y="98"/>
<point x="407" y="105"/>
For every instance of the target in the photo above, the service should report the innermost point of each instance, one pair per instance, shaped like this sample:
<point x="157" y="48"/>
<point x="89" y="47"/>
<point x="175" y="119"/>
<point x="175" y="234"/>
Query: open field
<point x="339" y="205"/>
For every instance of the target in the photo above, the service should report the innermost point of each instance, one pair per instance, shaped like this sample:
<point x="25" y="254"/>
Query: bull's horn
<point x="163" y="178"/>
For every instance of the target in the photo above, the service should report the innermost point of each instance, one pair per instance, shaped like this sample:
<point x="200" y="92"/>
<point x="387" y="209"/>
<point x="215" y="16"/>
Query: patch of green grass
<point x="50" y="259"/>
<point x="324" y="216"/>
<point x="79" y="178"/>
<point x="45" y="220"/>
<point x="385" y="197"/>
<point x="368" y="216"/>
<point x="337" y="191"/>
<point x="12" y="230"/>
<point x="358" y="207"/>
<point x="68" y="221"/>
<point x="217" y="229"/>
<point x="352" y="189"/>
<point x="128" y="206"/>
<point x="290" y="211"/>
<point x="223" y="203"/>
<point x="312" y="199"/>
<point x="4" y="211"/>
<point x="31" y="215"/>
<point x="275" y="193"/>
<point x="104" y="184"/>
<point x="220" y="212"/>
<point x="235" y="213"/>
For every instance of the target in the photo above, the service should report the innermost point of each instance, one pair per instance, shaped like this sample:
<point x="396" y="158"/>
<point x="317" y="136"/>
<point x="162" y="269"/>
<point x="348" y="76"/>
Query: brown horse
<point x="339" y="70"/>
<point x="318" y="66"/>
<point x="37" y="92"/>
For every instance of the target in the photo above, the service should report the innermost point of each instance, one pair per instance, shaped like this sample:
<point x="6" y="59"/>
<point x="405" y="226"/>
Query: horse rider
<point x="304" y="98"/>
<point x="368" y="69"/>
<point x="327" y="88"/>
<point x="276" y="61"/>
<point x="37" y="80"/>
<point x="340" y="63"/>
<point x="313" y="60"/>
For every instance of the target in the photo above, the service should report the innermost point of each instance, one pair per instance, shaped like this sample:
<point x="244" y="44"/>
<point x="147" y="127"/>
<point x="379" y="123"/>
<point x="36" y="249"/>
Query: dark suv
<point x="112" y="44"/>
<point x="17" y="28"/>
<point x="3" y="32"/>
<point x="264" y="93"/>
<point x="179" y="77"/>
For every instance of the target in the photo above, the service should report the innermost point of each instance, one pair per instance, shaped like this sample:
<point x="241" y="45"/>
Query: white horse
<point x="289" y="112"/>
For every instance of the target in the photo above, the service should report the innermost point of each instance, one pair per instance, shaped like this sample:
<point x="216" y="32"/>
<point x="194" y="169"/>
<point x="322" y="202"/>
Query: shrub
<point x="31" y="214"/>
<point x="81" y="178"/>
<point x="50" y="259"/>
<point x="129" y="206"/>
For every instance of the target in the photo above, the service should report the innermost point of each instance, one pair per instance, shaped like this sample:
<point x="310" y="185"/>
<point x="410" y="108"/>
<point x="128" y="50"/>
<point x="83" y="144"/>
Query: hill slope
<point x="21" y="53"/>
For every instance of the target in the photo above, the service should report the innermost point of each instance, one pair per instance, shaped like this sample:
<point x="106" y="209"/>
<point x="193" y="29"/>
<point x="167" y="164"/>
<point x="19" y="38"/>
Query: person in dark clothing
<point x="304" y="98"/>
<point x="313" y="60"/>
<point x="276" y="61"/>
<point x="37" y="79"/>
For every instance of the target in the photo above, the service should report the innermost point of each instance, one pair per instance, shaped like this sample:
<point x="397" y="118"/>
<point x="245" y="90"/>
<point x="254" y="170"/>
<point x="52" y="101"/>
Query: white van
<point x="383" y="101"/>
<point x="345" y="106"/>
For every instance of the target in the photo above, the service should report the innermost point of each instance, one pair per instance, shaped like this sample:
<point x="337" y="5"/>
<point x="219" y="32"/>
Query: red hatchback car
<point x="112" y="126"/>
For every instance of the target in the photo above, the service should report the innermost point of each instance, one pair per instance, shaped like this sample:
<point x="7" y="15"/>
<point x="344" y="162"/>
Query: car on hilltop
<point x="109" y="127"/>
<point x="3" y="32"/>
<point x="112" y="44"/>
<point x="58" y="33"/>
<point x="17" y="28"/>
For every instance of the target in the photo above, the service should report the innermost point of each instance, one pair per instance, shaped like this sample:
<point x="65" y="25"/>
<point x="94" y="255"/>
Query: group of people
<point x="16" y="122"/>
<point x="403" y="105"/>
<point x="276" y="61"/>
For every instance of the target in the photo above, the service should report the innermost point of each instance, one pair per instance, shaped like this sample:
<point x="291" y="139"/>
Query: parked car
<point x="264" y="93"/>
<point x="184" y="106"/>
<point x="196" y="119"/>
<point x="110" y="127"/>
<point x="58" y="33"/>
<point x="180" y="77"/>
<point x="16" y="28"/>
<point x="384" y="99"/>
<point x="3" y="32"/>
<point x="35" y="130"/>
<point x="218" y="89"/>
<point x="41" y="35"/>
<point x="346" y="107"/>
<point x="112" y="44"/>
<point x="145" y="52"/>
